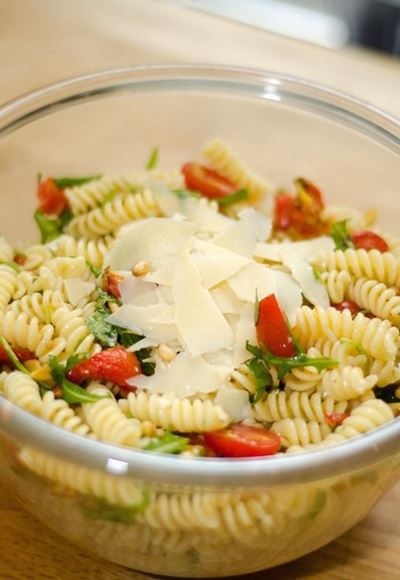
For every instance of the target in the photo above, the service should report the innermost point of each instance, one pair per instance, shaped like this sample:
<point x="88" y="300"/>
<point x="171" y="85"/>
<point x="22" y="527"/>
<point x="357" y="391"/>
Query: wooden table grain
<point x="31" y="552"/>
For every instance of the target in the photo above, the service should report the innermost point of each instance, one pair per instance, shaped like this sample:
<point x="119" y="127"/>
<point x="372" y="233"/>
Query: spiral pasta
<point x="337" y="284"/>
<point x="122" y="210"/>
<point x="93" y="251"/>
<point x="176" y="414"/>
<point x="383" y="267"/>
<point x="39" y="305"/>
<point x="58" y="412"/>
<point x="375" y="336"/>
<point x="36" y="256"/>
<point x="277" y="405"/>
<point x="107" y="421"/>
<point x="300" y="432"/>
<point x="84" y="198"/>
<point x="71" y="327"/>
<point x="23" y="391"/>
<point x="346" y="383"/>
<point x="8" y="284"/>
<point x="376" y="297"/>
<point x="6" y="251"/>
<point x="221" y="158"/>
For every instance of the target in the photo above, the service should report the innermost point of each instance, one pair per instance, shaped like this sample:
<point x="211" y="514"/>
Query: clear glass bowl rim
<point x="361" y="452"/>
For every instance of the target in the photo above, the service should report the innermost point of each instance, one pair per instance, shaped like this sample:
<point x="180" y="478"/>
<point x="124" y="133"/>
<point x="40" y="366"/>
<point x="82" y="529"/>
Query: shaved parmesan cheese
<point x="183" y="377"/>
<point x="144" y="343"/>
<point x="207" y="218"/>
<point x="305" y="249"/>
<point x="201" y="326"/>
<point x="312" y="289"/>
<point x="242" y="236"/>
<point x="76" y="290"/>
<point x="245" y="330"/>
<point x="137" y="291"/>
<point x="154" y="321"/>
<point x="234" y="401"/>
<point x="216" y="268"/>
<point x="288" y="294"/>
<point x="225" y="299"/>
<point x="167" y="201"/>
<point x="152" y="240"/>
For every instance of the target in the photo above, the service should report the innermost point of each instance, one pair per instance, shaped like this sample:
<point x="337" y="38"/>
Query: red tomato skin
<point x="20" y="260"/>
<point x="368" y="240"/>
<point x="111" y="284"/>
<point x="335" y="419"/>
<point x="348" y="305"/>
<point x="312" y="191"/>
<point x="21" y="353"/>
<point x="52" y="199"/>
<point x="243" y="441"/>
<point x="272" y="330"/>
<point x="115" y="364"/>
<point x="207" y="181"/>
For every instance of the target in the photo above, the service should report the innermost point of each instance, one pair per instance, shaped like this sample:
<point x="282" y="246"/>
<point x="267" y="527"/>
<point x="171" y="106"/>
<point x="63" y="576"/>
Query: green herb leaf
<point x="235" y="197"/>
<point x="95" y="271"/>
<point x="63" y="182"/>
<point x="129" y="338"/>
<point x="168" y="443"/>
<point x="50" y="228"/>
<point x="355" y="344"/>
<point x="262" y="378"/>
<point x="74" y="394"/>
<point x="13" y="357"/>
<point x="185" y="193"/>
<point x="104" y="332"/>
<point x="153" y="159"/>
<point x="284" y="365"/>
<point x="341" y="235"/>
<point x="317" y="274"/>
<point x="109" y="197"/>
<point x="65" y="218"/>
<point x="60" y="370"/>
<point x="99" y="509"/>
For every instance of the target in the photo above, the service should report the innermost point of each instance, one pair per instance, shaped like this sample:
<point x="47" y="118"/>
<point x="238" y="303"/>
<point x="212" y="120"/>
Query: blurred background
<point x="330" y="23"/>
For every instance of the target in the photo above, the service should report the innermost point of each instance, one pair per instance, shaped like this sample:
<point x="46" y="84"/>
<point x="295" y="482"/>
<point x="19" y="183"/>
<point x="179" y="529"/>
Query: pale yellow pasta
<point x="31" y="333"/>
<point x="346" y="383"/>
<point x="6" y="251"/>
<point x="70" y="325"/>
<point x="25" y="283"/>
<point x="337" y="284"/>
<point x="8" y="284"/>
<point x="221" y="158"/>
<point x="65" y="267"/>
<point x="93" y="251"/>
<point x="88" y="196"/>
<point x="387" y="372"/>
<point x="120" y="211"/>
<point x="243" y="378"/>
<point x="40" y="305"/>
<point x="36" y="256"/>
<point x="23" y="391"/>
<point x="375" y="336"/>
<point x="383" y="267"/>
<point x="300" y="432"/>
<point x="277" y="405"/>
<point x="376" y="297"/>
<point x="303" y="379"/>
<point x="114" y="490"/>
<point x="58" y="412"/>
<point x="107" y="421"/>
<point x="175" y="414"/>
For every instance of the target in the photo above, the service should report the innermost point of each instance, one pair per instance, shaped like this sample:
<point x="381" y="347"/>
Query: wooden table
<point x="30" y="552"/>
<point x="42" y="41"/>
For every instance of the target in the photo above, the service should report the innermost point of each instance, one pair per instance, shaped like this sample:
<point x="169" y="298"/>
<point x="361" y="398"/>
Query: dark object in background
<point x="379" y="26"/>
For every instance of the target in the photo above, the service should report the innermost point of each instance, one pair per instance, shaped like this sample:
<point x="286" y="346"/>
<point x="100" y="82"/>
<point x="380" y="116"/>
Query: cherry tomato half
<point x="272" y="330"/>
<point x="52" y="199"/>
<point x="348" y="305"/>
<point x="243" y="441"/>
<point x="335" y="419"/>
<point x="207" y="181"/>
<point x="369" y="241"/>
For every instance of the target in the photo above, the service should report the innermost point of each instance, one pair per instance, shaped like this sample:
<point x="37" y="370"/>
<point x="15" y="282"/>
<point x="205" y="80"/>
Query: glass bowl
<point x="173" y="515"/>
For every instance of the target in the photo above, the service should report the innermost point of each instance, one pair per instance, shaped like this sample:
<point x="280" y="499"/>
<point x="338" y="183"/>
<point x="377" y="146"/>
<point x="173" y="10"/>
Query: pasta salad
<point x="175" y="312"/>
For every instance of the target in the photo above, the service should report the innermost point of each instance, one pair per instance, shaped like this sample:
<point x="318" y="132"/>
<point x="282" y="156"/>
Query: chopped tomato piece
<point x="272" y="330"/>
<point x="300" y="215"/>
<point x="111" y="284"/>
<point x="52" y="199"/>
<point x="115" y="364"/>
<point x="207" y="181"/>
<point x="21" y="353"/>
<point x="243" y="441"/>
<point x="369" y="241"/>
<point x="198" y="439"/>
<point x="335" y="419"/>
<point x="348" y="305"/>
<point x="20" y="259"/>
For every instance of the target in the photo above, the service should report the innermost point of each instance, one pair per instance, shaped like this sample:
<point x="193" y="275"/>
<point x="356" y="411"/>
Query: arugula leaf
<point x="65" y="218"/>
<point x="168" y="443"/>
<point x="63" y="182"/>
<point x="104" y="332"/>
<point x="284" y="365"/>
<point x="95" y="271"/>
<point x="153" y="159"/>
<point x="262" y="378"/>
<point x="71" y="393"/>
<point x="185" y="193"/>
<point x="354" y="343"/>
<point x="341" y="235"/>
<point x="235" y="197"/>
<point x="129" y="338"/>
<point x="99" y="509"/>
<point x="50" y="228"/>
<point x="317" y="274"/>
<point x="13" y="357"/>
<point x="147" y="366"/>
